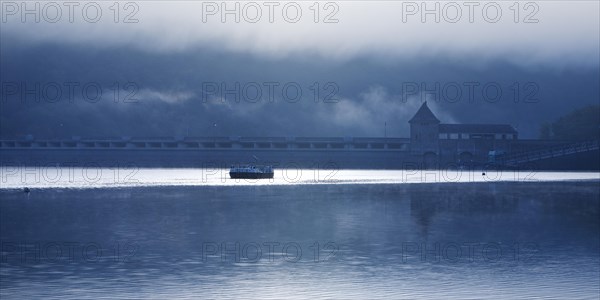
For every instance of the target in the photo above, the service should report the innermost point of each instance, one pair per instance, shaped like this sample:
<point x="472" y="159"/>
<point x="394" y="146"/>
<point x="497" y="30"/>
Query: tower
<point x="424" y="131"/>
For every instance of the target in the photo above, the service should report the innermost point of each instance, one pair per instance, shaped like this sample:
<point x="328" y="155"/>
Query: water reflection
<point x="342" y="241"/>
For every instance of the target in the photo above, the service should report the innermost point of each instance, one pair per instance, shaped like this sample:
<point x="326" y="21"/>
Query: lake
<point x="353" y="235"/>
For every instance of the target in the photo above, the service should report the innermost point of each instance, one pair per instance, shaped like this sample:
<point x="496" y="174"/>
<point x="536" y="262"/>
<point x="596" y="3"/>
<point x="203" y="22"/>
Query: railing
<point x="558" y="151"/>
<point x="214" y="143"/>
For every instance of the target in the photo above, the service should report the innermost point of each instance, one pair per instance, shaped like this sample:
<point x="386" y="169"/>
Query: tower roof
<point x="424" y="115"/>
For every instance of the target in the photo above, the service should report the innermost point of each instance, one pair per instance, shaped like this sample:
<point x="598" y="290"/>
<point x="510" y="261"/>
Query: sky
<point x="303" y="68"/>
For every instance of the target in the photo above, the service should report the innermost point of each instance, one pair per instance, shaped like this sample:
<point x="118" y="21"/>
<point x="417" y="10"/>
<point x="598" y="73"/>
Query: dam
<point x="431" y="145"/>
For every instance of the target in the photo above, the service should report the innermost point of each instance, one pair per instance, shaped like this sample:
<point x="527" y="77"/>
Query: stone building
<point x="459" y="143"/>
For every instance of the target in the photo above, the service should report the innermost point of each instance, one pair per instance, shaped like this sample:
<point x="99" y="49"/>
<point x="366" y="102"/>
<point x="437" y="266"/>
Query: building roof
<point x="424" y="115"/>
<point x="477" y="128"/>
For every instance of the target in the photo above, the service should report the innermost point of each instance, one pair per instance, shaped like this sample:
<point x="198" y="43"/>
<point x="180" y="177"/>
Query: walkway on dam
<point x="516" y="159"/>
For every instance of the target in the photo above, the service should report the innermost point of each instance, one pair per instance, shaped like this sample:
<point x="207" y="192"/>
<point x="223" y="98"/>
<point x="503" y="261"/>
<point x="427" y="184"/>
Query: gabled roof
<point x="477" y="128"/>
<point x="424" y="115"/>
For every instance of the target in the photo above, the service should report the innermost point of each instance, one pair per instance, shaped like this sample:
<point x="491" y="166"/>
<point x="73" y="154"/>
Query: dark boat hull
<point x="246" y="175"/>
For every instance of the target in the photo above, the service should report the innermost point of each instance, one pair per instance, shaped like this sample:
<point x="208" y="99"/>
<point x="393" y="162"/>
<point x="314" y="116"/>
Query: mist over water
<point x="446" y="240"/>
<point x="18" y="177"/>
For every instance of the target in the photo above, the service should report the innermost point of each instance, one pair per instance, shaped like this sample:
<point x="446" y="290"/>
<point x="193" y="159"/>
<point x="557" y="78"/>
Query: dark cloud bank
<point x="371" y="92"/>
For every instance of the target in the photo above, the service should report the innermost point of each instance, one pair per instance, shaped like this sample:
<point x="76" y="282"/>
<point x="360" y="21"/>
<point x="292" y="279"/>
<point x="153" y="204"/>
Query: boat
<point x="251" y="172"/>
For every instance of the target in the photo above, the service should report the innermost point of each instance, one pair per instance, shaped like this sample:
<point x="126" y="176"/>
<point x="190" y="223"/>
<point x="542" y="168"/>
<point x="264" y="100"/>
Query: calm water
<point x="437" y="240"/>
<point x="51" y="176"/>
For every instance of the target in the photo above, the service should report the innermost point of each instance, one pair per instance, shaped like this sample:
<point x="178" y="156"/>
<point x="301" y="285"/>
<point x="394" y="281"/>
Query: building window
<point x="509" y="136"/>
<point x="454" y="136"/>
<point x="484" y="136"/>
<point x="464" y="136"/>
<point x="443" y="136"/>
<point x="498" y="136"/>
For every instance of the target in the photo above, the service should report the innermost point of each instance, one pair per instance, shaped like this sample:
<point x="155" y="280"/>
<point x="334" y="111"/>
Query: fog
<point x="362" y="70"/>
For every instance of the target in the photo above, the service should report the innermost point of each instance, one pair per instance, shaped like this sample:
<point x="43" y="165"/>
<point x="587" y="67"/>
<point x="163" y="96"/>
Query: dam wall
<point x="281" y="152"/>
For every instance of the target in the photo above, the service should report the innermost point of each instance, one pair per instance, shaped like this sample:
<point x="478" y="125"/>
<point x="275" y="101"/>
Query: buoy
<point x="26" y="190"/>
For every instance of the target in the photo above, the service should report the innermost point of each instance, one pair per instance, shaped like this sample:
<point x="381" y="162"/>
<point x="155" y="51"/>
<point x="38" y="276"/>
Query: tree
<point x="580" y="124"/>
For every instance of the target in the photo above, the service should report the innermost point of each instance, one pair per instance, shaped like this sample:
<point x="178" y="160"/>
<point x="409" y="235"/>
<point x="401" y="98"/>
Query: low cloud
<point x="172" y="97"/>
<point x="543" y="32"/>
<point x="376" y="109"/>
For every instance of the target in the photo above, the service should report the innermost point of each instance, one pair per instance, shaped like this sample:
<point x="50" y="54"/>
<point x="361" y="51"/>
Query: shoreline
<point x="275" y="184"/>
